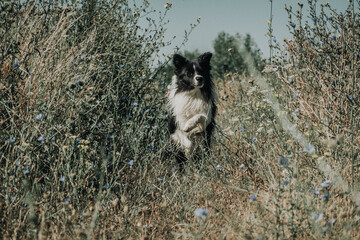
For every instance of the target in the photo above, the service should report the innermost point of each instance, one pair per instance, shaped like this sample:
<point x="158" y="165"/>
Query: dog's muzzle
<point x="199" y="81"/>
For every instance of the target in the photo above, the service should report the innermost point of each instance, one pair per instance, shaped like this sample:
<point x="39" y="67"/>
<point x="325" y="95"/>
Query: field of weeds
<point x="85" y="152"/>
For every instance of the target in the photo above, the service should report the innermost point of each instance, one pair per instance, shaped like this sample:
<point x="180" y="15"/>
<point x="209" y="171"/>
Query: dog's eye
<point x="189" y="74"/>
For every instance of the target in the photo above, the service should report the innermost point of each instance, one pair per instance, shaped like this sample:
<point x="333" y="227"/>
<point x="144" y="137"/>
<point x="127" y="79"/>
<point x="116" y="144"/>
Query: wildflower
<point x="254" y="139"/>
<point x="53" y="139"/>
<point x="284" y="161"/>
<point x="218" y="167"/>
<point x="135" y="104"/>
<point x="252" y="198"/>
<point x="325" y="184"/>
<point x="41" y="138"/>
<point x="309" y="148"/>
<point x="328" y="58"/>
<point x="81" y="58"/>
<point x="331" y="222"/>
<point x="314" y="20"/>
<point x="292" y="24"/>
<point x="241" y="166"/>
<point x="296" y="111"/>
<point x="201" y="212"/>
<point x="161" y="179"/>
<point x="333" y="36"/>
<point x="152" y="149"/>
<point x="147" y="110"/>
<point x="128" y="116"/>
<point x="131" y="163"/>
<point x="285" y="172"/>
<point x="91" y="166"/>
<point x="16" y="64"/>
<point x="316" y="216"/>
<point x="285" y="182"/>
<point x="298" y="95"/>
<point x="325" y="196"/>
<point x="151" y="78"/>
<point x="78" y="139"/>
<point x="155" y="127"/>
<point x="38" y="117"/>
<point x="241" y="128"/>
<point x="66" y="200"/>
<point x="26" y="170"/>
<point x="351" y="97"/>
<point x="62" y="179"/>
<point x="324" y="229"/>
<point x="107" y="149"/>
<point x="106" y="186"/>
<point x="315" y="191"/>
<point x="105" y="64"/>
<point x="11" y="140"/>
<point x="143" y="77"/>
<point x="18" y="163"/>
<point x="121" y="65"/>
<point x="111" y="137"/>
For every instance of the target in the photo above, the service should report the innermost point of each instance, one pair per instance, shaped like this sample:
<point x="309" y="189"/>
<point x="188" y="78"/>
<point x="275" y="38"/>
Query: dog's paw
<point x="188" y="126"/>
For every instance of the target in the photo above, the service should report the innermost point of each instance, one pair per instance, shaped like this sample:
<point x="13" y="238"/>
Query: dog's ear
<point x="179" y="61"/>
<point x="204" y="59"/>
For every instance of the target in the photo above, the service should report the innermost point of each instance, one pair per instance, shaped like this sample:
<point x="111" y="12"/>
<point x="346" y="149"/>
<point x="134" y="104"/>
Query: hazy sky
<point x="231" y="16"/>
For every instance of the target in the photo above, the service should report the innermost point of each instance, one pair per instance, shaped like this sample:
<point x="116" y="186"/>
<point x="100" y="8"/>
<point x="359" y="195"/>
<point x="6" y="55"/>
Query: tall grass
<point x="85" y="152"/>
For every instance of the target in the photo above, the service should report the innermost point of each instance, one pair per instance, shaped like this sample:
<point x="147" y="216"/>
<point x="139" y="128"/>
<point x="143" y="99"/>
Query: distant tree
<point x="230" y="51"/>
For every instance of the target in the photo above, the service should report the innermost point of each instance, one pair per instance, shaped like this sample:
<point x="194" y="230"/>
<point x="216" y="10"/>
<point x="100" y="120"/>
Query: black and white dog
<point x="191" y="102"/>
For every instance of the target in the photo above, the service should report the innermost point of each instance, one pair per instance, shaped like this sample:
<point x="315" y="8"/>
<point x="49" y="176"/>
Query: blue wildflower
<point x="218" y="167"/>
<point x="143" y="77"/>
<point x="152" y="149"/>
<point x="325" y="196"/>
<point x="53" y="139"/>
<point x="41" y="138"/>
<point x="81" y="58"/>
<point x="135" y="104"/>
<point x="105" y="64"/>
<point x="78" y="139"/>
<point x="131" y="163"/>
<point x="38" y="117"/>
<point x="66" y="200"/>
<point x="331" y="222"/>
<point x="147" y="110"/>
<point x="284" y="161"/>
<point x="252" y="198"/>
<point x="292" y="24"/>
<point x="201" y="212"/>
<point x="315" y="191"/>
<point x="155" y="127"/>
<point x="298" y="95"/>
<point x="16" y="64"/>
<point x="241" y="128"/>
<point x="254" y="139"/>
<point x="111" y="137"/>
<point x="325" y="184"/>
<point x="328" y="58"/>
<point x="107" y="149"/>
<point x="285" y="182"/>
<point x="296" y="111"/>
<point x="351" y="97"/>
<point x="106" y="186"/>
<point x="91" y="166"/>
<point x="26" y="170"/>
<point x="161" y="179"/>
<point x="128" y="116"/>
<point x="309" y="148"/>
<point x="121" y="65"/>
<point x="62" y="179"/>
<point x="18" y="164"/>
<point x="11" y="140"/>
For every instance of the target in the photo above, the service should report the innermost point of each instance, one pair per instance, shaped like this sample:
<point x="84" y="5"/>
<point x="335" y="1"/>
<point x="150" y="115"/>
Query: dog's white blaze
<point x="185" y="106"/>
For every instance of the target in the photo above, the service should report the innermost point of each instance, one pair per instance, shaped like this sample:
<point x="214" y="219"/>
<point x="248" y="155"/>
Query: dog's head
<point x="192" y="74"/>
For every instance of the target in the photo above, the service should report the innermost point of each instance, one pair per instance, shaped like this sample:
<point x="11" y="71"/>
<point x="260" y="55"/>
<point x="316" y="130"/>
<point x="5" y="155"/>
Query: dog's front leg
<point x="195" y="124"/>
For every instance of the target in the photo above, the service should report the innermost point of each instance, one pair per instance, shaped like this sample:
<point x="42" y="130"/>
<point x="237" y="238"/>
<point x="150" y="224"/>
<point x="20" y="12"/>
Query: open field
<point x="85" y="152"/>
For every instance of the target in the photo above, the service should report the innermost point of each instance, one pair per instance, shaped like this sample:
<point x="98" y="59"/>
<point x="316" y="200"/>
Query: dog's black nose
<point x="199" y="79"/>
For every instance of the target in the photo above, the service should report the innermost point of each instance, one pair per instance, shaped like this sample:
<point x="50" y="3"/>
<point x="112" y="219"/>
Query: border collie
<point x="191" y="102"/>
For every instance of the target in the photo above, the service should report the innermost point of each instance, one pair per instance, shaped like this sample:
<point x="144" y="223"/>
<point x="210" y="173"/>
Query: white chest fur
<point x="186" y="105"/>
